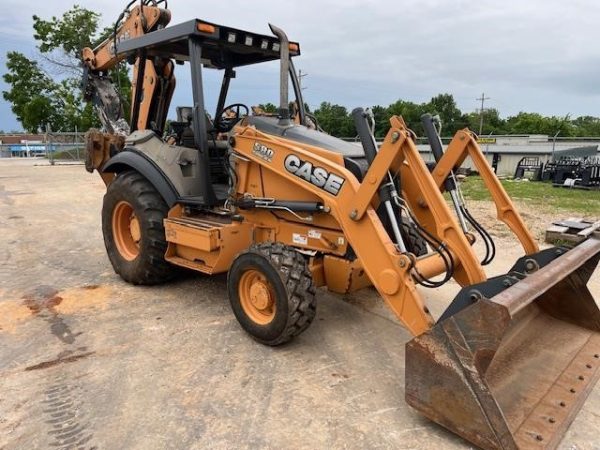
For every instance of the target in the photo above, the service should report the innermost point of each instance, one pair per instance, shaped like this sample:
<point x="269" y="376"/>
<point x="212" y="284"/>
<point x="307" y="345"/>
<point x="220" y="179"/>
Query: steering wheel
<point x="229" y="116"/>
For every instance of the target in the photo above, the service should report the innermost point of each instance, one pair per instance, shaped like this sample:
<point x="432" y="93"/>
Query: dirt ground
<point x="89" y="361"/>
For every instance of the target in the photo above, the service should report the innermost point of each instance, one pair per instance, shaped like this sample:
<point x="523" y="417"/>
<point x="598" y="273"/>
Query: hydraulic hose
<point x="437" y="246"/>
<point x="451" y="186"/>
<point x="387" y="190"/>
<point x="490" y="246"/>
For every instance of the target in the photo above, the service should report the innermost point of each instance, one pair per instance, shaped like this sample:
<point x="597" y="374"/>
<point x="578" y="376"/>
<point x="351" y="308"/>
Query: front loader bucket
<point x="512" y="370"/>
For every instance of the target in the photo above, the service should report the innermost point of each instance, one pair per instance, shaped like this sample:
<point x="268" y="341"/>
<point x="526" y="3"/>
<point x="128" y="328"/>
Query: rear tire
<point x="272" y="293"/>
<point x="134" y="235"/>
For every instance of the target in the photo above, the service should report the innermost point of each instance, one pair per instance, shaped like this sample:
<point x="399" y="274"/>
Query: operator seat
<point x="185" y="116"/>
<point x="217" y="149"/>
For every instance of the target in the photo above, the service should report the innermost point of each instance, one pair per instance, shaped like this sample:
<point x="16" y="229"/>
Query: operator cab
<point x="206" y="45"/>
<point x="203" y="45"/>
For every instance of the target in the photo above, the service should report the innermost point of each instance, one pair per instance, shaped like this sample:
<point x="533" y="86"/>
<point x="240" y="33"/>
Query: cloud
<point x="535" y="55"/>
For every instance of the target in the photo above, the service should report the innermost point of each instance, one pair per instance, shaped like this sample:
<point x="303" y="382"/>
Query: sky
<point x="528" y="55"/>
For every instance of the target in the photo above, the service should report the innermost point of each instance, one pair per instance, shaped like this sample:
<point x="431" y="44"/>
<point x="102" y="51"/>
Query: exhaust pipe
<point x="284" y="57"/>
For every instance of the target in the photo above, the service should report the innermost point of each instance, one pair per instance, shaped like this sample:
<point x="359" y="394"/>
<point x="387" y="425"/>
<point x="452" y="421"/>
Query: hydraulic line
<point x="443" y="252"/>
<point x="387" y="190"/>
<point x="451" y="185"/>
<point x="433" y="136"/>
<point x="438" y="246"/>
<point x="490" y="247"/>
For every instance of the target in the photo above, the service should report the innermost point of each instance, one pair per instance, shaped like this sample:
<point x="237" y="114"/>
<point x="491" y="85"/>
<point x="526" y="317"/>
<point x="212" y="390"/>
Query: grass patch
<point x="539" y="195"/>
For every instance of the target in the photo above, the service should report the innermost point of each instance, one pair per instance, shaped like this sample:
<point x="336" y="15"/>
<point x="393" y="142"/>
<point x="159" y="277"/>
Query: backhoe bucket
<point x="512" y="370"/>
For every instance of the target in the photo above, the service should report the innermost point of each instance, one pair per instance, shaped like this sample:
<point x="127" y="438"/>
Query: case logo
<point x="318" y="176"/>
<point x="124" y="37"/>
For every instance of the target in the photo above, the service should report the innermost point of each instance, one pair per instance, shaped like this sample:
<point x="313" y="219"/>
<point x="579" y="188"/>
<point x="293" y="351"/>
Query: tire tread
<point x="151" y="267"/>
<point x="292" y="268"/>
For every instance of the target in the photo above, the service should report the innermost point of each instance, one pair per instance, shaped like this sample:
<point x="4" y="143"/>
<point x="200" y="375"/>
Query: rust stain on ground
<point x="75" y="300"/>
<point x="11" y="314"/>
<point x="41" y="298"/>
<point x="46" y="299"/>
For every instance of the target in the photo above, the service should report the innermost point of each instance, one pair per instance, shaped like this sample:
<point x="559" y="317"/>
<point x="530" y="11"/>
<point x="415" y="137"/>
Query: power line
<point x="483" y="98"/>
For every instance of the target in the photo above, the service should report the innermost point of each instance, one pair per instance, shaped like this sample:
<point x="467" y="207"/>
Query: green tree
<point x="37" y="99"/>
<point x="61" y="40"/>
<point x="562" y="124"/>
<point x="269" y="108"/>
<point x="410" y="112"/>
<point x="492" y="122"/>
<point x="76" y="113"/>
<point x="30" y="94"/>
<point x="534" y="123"/>
<point x="335" y="120"/>
<point x="444" y="105"/>
<point x="586" y="126"/>
<point x="382" y="120"/>
<point x="75" y="30"/>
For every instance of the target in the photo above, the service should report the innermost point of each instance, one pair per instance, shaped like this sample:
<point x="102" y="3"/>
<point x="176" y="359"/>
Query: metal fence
<point x="51" y="146"/>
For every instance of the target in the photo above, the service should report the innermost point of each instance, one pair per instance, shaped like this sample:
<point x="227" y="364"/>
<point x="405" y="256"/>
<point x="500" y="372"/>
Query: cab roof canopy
<point x="222" y="47"/>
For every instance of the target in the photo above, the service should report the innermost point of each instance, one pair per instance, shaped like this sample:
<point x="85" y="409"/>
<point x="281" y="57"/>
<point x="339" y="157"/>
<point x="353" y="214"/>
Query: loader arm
<point x="352" y="207"/>
<point x="464" y="144"/>
<point x="512" y="359"/>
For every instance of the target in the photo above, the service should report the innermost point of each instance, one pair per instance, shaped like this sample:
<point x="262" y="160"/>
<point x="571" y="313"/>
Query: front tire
<point x="272" y="293"/>
<point x="134" y="235"/>
<point x="413" y="240"/>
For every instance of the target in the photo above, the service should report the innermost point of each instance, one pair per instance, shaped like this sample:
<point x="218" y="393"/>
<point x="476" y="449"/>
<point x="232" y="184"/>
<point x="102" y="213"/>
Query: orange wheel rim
<point x="126" y="230"/>
<point x="257" y="297"/>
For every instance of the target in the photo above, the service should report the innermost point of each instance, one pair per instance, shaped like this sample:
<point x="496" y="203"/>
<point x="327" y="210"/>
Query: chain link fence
<point x="55" y="147"/>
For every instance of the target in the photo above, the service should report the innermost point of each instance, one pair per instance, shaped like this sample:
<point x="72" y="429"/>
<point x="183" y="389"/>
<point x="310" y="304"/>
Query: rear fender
<point x="131" y="159"/>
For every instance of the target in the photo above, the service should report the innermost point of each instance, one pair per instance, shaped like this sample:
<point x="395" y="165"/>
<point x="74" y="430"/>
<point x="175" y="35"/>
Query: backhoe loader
<point x="284" y="208"/>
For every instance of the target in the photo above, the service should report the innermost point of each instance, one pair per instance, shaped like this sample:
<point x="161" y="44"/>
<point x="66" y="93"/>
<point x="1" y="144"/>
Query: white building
<point x="505" y="152"/>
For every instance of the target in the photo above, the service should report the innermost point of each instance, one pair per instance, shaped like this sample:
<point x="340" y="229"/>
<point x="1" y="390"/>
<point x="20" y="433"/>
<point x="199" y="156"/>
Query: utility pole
<point x="300" y="76"/>
<point x="483" y="98"/>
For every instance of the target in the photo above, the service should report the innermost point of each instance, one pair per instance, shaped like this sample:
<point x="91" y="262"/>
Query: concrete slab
<point x="89" y="361"/>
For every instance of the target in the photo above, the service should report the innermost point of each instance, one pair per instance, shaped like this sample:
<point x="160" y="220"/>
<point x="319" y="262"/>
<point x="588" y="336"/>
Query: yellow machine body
<point x="513" y="358"/>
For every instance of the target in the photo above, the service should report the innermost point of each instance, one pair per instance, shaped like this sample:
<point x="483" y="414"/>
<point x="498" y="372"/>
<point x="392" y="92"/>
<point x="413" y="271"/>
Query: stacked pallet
<point x="571" y="231"/>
